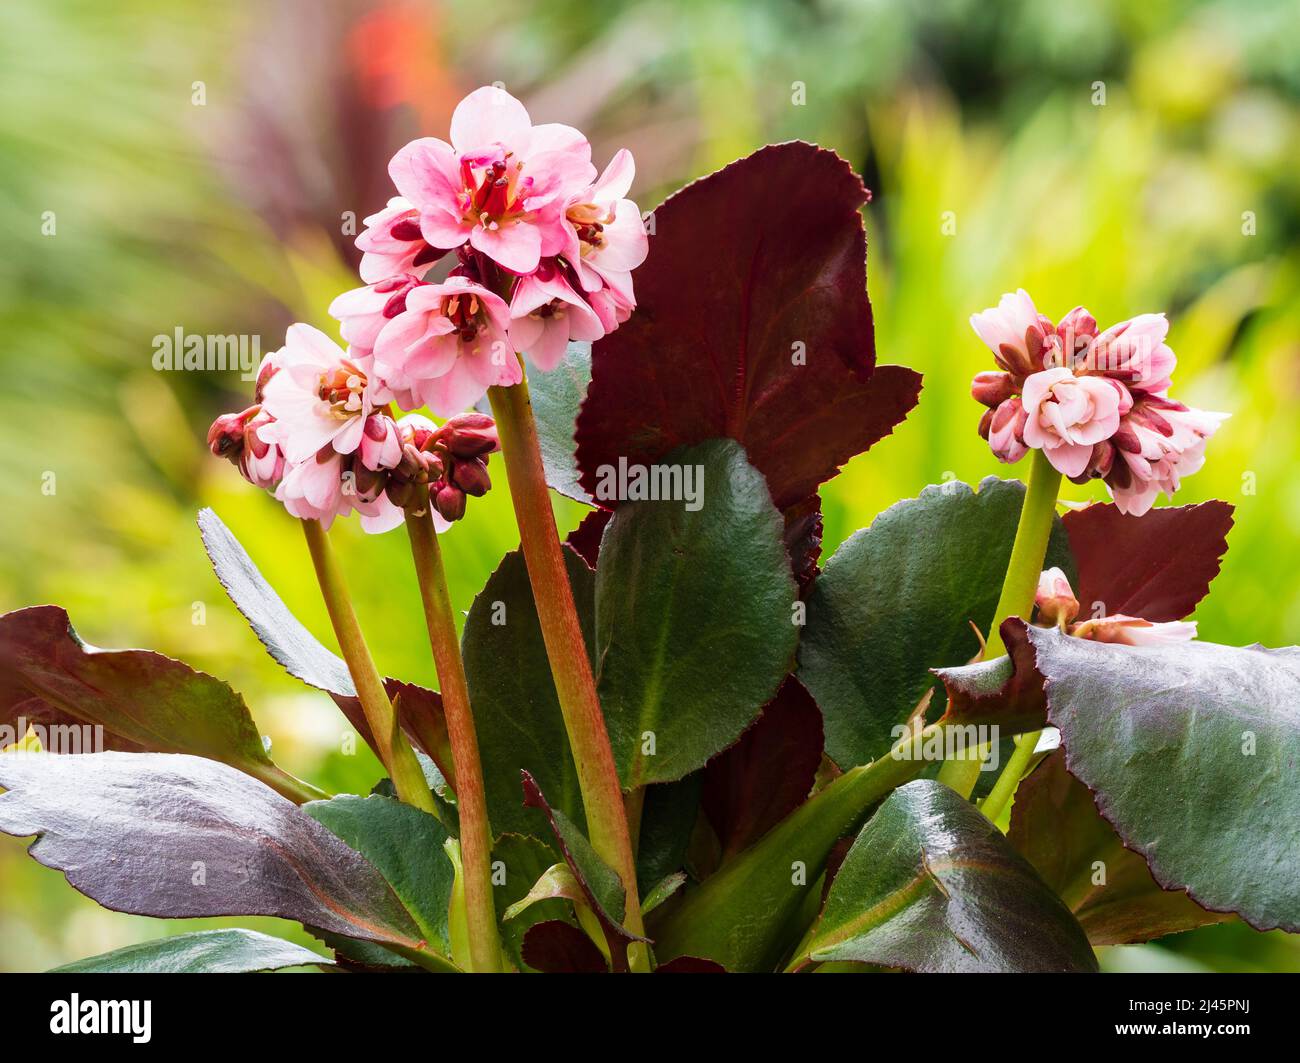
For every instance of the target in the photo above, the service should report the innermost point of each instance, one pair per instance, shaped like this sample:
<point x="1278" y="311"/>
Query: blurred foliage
<point x="199" y="165"/>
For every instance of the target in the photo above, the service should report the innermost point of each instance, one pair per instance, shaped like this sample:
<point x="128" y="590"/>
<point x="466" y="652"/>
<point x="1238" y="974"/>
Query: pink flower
<point x="1159" y="441"/>
<point x="1066" y="415"/>
<point x="363" y="312"/>
<point x="393" y="244"/>
<point x="320" y="396"/>
<point x="1133" y="631"/>
<point x="1016" y="333"/>
<point x="546" y="313"/>
<point x="614" y="302"/>
<point x="1058" y="607"/>
<point x="501" y="184"/>
<point x="603" y="228"/>
<point x="1055" y="599"/>
<point x="1133" y="352"/>
<point x="315" y="489"/>
<point x="448" y="346"/>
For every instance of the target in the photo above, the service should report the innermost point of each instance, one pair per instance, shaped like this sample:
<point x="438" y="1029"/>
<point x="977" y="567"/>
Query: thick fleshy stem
<point x="1017" y="599"/>
<point x="471" y="801"/>
<point x="394" y="750"/>
<point x="602" y="794"/>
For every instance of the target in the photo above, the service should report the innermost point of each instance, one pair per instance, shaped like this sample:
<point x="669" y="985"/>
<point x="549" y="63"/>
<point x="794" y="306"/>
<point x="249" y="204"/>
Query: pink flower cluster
<point x="1057" y="607"/>
<point x="545" y="250"/>
<point x="320" y="435"/>
<point x="1096" y="403"/>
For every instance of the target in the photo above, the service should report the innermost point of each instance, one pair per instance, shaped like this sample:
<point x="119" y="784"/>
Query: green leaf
<point x="600" y="884"/>
<point x="556" y="883"/>
<point x="516" y="710"/>
<point x="405" y="845"/>
<point x="656" y="895"/>
<point x="668" y="815"/>
<point x="931" y="885"/>
<point x="556" y="397"/>
<point x="206" y="952"/>
<point x="1190" y="750"/>
<point x="898" y="598"/>
<point x="1055" y="825"/>
<point x="747" y="915"/>
<point x="518" y="861"/>
<point x="694" y="617"/>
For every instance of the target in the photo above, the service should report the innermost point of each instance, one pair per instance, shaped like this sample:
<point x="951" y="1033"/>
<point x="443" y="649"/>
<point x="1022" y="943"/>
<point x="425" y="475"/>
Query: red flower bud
<point x="992" y="388"/>
<point x="472" y="477"/>
<point x="448" y="500"/>
<point x="470" y="435"/>
<point x="226" y="436"/>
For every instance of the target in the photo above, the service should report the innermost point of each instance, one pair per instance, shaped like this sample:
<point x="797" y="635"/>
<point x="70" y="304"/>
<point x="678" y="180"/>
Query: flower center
<point x="342" y="388"/>
<point x="589" y="223"/>
<point x="493" y="190"/>
<point x="464" y="311"/>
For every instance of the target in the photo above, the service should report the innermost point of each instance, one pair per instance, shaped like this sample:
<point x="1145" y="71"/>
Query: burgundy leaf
<point x="755" y="784"/>
<point x="803" y="540"/>
<point x="752" y="322"/>
<point x="142" y="699"/>
<point x="585" y="538"/>
<point x="691" y="965"/>
<point x="1156" y="566"/>
<point x="419" y="710"/>
<point x="58" y="731"/>
<point x="180" y="837"/>
<point x="1055" y="825"/>
<point x="1006" y="691"/>
<point x="557" y="947"/>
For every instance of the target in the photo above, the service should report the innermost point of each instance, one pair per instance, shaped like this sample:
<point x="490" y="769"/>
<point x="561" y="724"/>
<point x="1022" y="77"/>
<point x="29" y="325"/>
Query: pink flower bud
<point x="1057" y="605"/>
<point x="1099" y="465"/>
<point x="381" y="446"/>
<point x="1006" y="431"/>
<point x="991" y="388"/>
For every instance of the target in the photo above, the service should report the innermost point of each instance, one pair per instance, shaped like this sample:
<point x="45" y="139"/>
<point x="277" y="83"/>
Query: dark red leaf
<point x="755" y="784"/>
<point x="1156" y="566"/>
<point x="419" y="710"/>
<point x="691" y="965"/>
<point x="1006" y="691"/>
<point x="752" y="322"/>
<point x="585" y="538"/>
<point x="141" y="699"/>
<point x="803" y="540"/>
<point x="557" y="947"/>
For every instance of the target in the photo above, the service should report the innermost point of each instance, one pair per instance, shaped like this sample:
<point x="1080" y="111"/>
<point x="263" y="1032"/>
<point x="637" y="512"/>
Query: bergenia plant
<point x="984" y="737"/>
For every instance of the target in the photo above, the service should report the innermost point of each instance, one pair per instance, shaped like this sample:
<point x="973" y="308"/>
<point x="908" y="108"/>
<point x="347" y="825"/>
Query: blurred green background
<point x="194" y="165"/>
